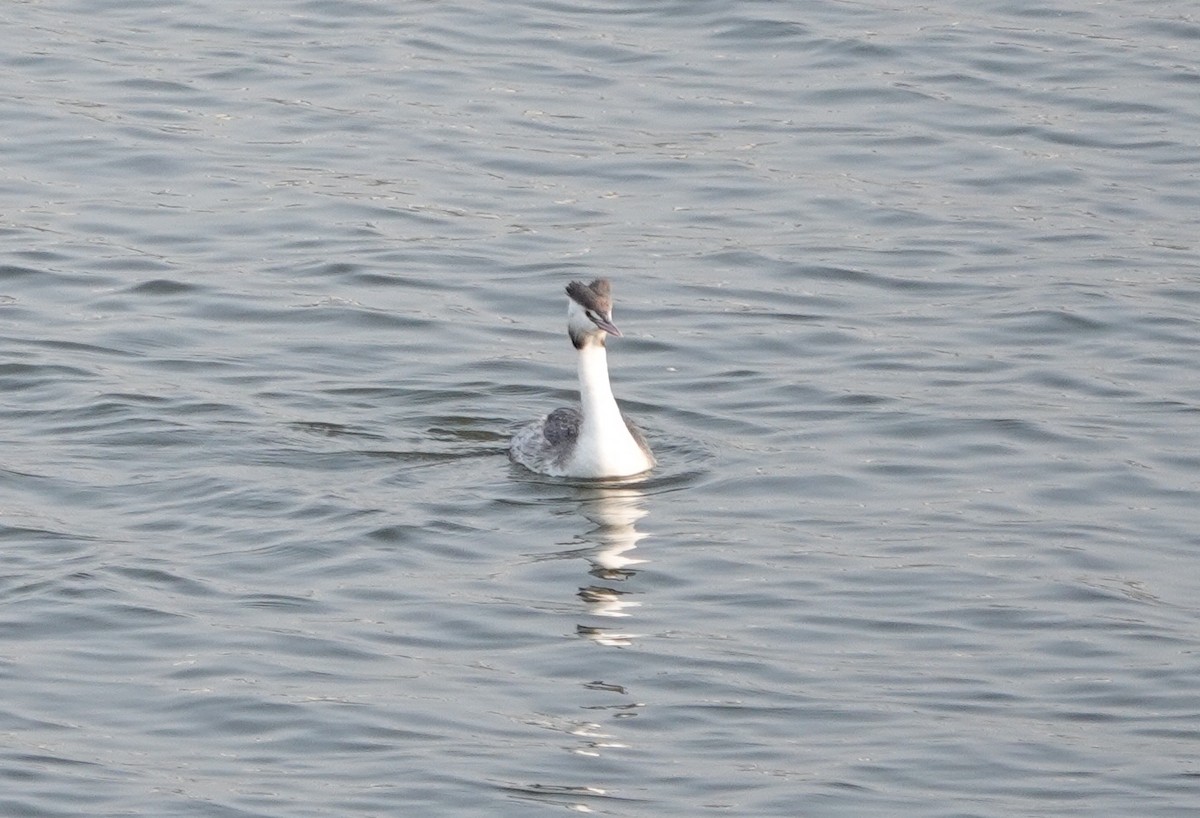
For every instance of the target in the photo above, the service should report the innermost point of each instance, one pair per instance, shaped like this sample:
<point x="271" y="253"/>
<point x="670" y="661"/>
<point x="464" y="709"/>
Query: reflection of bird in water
<point x="602" y="601"/>
<point x="595" y="440"/>
<point x="615" y="512"/>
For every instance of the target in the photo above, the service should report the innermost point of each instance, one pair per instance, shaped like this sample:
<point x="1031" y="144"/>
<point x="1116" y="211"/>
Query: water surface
<point x="910" y="298"/>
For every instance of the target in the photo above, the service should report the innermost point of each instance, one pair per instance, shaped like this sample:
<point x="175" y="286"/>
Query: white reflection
<point x="609" y="547"/>
<point x="615" y="511"/>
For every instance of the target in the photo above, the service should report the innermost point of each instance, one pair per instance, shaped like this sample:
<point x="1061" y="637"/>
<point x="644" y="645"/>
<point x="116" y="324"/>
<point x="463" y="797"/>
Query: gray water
<point x="911" y="301"/>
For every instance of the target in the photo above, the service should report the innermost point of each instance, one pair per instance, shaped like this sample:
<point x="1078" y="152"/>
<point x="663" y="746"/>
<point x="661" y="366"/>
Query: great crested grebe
<point x="595" y="440"/>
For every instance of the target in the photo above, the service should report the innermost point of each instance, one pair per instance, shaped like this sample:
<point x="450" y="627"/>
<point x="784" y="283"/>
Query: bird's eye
<point x="591" y="315"/>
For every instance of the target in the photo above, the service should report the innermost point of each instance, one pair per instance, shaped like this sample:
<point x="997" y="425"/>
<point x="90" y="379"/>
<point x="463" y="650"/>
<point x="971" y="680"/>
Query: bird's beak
<point x="607" y="326"/>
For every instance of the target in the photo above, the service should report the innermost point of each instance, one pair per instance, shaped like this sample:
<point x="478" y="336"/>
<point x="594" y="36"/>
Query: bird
<point x="595" y="439"/>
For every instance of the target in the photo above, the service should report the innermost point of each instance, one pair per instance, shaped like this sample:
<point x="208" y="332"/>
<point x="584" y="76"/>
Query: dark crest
<point x="595" y="296"/>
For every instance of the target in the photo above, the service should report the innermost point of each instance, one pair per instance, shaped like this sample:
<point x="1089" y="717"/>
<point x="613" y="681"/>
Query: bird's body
<point x="595" y="440"/>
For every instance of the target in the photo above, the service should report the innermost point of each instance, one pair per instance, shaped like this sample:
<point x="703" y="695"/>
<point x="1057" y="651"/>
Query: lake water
<point x="911" y="301"/>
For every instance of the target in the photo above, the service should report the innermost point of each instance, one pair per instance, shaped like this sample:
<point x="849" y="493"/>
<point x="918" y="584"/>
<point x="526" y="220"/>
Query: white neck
<point x="595" y="391"/>
<point x="605" y="447"/>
